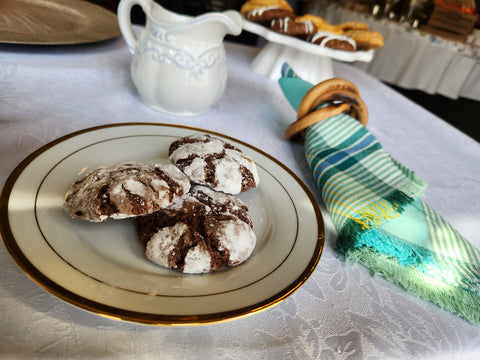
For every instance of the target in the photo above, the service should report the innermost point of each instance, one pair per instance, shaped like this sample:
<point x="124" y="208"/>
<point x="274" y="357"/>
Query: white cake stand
<point x="310" y="61"/>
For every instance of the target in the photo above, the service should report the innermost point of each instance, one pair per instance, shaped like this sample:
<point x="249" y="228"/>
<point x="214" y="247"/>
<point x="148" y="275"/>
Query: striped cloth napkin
<point x="381" y="220"/>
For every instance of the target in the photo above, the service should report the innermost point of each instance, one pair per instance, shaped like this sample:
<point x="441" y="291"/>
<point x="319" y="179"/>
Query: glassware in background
<point x="419" y="12"/>
<point x="397" y="10"/>
<point x="415" y="12"/>
<point x="377" y="7"/>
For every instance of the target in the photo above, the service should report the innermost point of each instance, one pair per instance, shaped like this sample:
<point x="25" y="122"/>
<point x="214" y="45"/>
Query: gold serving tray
<point x="55" y="22"/>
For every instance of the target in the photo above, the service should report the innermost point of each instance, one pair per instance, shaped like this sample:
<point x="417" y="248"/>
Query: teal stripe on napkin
<point x="381" y="220"/>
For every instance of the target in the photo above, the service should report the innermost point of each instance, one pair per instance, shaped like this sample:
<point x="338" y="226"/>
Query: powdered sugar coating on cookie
<point x="201" y="232"/>
<point x="214" y="163"/>
<point x="163" y="243"/>
<point x="124" y="190"/>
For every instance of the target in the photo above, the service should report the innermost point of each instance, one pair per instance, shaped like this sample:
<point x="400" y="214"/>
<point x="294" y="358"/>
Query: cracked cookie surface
<point x="201" y="232"/>
<point x="125" y="190"/>
<point x="212" y="162"/>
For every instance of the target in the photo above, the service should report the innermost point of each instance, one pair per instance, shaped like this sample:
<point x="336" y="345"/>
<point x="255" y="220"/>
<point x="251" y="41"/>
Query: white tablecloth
<point x="341" y="312"/>
<point x="414" y="59"/>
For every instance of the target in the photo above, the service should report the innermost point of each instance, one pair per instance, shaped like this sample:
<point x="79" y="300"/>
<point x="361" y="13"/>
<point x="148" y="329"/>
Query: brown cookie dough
<point x="201" y="232"/>
<point x="125" y="190"/>
<point x="212" y="162"/>
<point x="333" y="41"/>
<point x="293" y="27"/>
<point x="264" y="11"/>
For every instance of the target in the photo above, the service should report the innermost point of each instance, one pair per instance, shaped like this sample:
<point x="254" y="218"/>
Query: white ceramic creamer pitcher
<point x="179" y="65"/>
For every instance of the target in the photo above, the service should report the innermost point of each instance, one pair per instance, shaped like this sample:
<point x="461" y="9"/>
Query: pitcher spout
<point x="215" y="25"/>
<point x="233" y="22"/>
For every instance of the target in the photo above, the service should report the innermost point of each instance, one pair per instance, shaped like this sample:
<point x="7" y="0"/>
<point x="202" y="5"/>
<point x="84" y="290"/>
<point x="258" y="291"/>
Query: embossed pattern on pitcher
<point x="167" y="52"/>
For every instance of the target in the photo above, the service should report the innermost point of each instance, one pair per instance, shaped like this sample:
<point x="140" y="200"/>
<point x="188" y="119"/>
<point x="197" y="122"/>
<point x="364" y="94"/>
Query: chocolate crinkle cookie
<point x="212" y="162"/>
<point x="201" y="232"/>
<point x="125" y="190"/>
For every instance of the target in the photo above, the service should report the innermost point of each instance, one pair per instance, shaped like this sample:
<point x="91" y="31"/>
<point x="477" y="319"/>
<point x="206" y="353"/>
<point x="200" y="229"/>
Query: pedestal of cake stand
<point x="271" y="58"/>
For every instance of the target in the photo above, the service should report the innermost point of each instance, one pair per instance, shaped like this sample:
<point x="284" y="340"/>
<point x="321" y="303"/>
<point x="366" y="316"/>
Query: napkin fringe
<point x="353" y="236"/>
<point x="441" y="267"/>
<point x="464" y="303"/>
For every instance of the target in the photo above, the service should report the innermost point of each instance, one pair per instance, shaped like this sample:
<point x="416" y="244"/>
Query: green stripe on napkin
<point x="382" y="222"/>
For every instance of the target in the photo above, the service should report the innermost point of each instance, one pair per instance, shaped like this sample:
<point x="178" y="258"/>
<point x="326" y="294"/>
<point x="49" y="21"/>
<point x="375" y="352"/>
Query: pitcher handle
<point x="124" y="11"/>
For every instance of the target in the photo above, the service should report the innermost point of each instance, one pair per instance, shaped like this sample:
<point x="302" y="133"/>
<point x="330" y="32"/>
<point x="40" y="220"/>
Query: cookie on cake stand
<point x="310" y="61"/>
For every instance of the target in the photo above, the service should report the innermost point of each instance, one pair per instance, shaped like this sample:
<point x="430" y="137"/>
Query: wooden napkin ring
<point x="324" y="90"/>
<point x="299" y="126"/>
<point x="343" y="97"/>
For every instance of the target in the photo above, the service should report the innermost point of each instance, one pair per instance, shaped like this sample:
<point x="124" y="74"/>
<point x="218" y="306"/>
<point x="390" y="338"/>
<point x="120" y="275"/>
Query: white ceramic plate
<point x="101" y="267"/>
